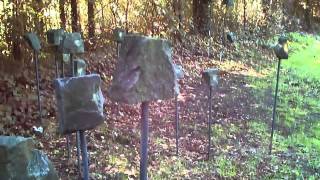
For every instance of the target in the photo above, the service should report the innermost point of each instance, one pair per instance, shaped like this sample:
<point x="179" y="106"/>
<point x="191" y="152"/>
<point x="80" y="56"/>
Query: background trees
<point x="168" y="18"/>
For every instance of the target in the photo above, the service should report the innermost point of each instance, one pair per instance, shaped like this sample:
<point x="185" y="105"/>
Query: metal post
<point x="62" y="68"/>
<point x="177" y="124"/>
<point x="84" y="152"/>
<point x="78" y="152"/>
<point x="274" y="107"/>
<point x="56" y="62"/>
<point x="118" y="50"/>
<point x="144" y="141"/>
<point x="209" y="120"/>
<point x="38" y="85"/>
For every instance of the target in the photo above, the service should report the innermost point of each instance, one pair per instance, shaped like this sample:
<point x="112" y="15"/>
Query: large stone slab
<point x="80" y="103"/>
<point x="19" y="160"/>
<point x="144" y="72"/>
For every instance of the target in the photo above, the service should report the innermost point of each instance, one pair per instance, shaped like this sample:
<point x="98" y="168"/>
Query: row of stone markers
<point x="144" y="73"/>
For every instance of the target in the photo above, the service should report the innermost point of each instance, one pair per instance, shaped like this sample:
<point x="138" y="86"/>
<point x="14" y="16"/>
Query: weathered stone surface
<point x="33" y="41"/>
<point x="18" y="160"/>
<point x="144" y="71"/>
<point x="80" y="67"/>
<point x="228" y="3"/>
<point x="80" y="103"/>
<point x="231" y="37"/>
<point x="119" y="34"/>
<point x="72" y="43"/>
<point x="210" y="76"/>
<point x="179" y="74"/>
<point x="55" y="36"/>
<point x="179" y="71"/>
<point x="281" y="49"/>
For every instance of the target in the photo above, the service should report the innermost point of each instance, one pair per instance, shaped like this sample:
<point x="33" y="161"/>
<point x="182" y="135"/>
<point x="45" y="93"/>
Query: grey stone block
<point x="144" y="72"/>
<point x="18" y="160"/>
<point x="72" y="43"/>
<point x="210" y="77"/>
<point x="33" y="41"/>
<point x="80" y="103"/>
<point x="55" y="36"/>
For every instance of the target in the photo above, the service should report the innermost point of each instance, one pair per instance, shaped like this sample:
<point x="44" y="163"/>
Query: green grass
<point x="297" y="135"/>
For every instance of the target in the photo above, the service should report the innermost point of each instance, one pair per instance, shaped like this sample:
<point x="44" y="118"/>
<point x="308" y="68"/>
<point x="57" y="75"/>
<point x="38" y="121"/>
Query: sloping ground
<point x="241" y="115"/>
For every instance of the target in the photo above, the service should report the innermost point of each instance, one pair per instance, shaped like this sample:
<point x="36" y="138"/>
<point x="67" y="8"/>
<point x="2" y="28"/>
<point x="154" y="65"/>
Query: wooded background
<point x="172" y="19"/>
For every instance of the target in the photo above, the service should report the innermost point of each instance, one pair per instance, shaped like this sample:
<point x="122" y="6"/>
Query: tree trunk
<point x="63" y="20"/>
<point x="308" y="14"/>
<point x="91" y="23"/>
<point x="74" y="16"/>
<point x="201" y="17"/>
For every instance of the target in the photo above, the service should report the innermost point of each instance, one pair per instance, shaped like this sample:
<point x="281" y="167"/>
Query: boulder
<point x="19" y="160"/>
<point x="80" y="103"/>
<point x="144" y="72"/>
<point x="33" y="41"/>
<point x="210" y="77"/>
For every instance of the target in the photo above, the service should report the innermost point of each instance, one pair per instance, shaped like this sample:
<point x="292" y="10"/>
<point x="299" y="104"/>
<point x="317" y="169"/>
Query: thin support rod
<point x="78" y="152"/>
<point x="68" y="146"/>
<point x="144" y="141"/>
<point x="274" y="107"/>
<point x="118" y="50"/>
<point x="38" y="85"/>
<point x="62" y="68"/>
<point x="209" y="121"/>
<point x="84" y="153"/>
<point x="57" y="65"/>
<point x="177" y="124"/>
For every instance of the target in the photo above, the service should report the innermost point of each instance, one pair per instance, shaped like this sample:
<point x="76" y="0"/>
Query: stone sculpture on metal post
<point x="34" y="42"/>
<point x="210" y="77"/>
<point x="281" y="51"/>
<point x="55" y="37"/>
<point x="118" y="35"/>
<point x="72" y="44"/>
<point x="179" y="73"/>
<point x="144" y="73"/>
<point x="80" y="108"/>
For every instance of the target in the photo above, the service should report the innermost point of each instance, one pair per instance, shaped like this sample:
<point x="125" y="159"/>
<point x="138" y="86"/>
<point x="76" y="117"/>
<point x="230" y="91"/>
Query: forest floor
<point x="242" y="108"/>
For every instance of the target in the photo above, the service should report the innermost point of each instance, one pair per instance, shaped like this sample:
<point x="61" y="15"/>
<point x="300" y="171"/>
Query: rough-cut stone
<point x="210" y="76"/>
<point x="281" y="49"/>
<point x="80" y="103"/>
<point x="119" y="34"/>
<point x="72" y="43"/>
<point x="179" y="71"/>
<point x="18" y="160"/>
<point x="144" y="71"/>
<point x="228" y="3"/>
<point x="80" y="67"/>
<point x="55" y="36"/>
<point x="231" y="37"/>
<point x="33" y="41"/>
